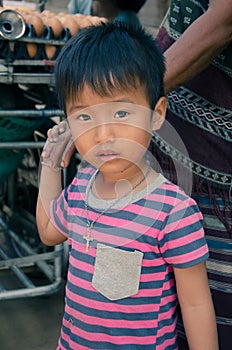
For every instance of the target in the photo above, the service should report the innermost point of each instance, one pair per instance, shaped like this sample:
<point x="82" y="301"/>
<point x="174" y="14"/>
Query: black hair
<point x="110" y="56"/>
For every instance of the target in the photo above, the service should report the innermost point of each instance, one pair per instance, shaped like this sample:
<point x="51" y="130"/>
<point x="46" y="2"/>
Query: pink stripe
<point x="107" y="238"/>
<point x="87" y="170"/>
<point x="151" y="213"/>
<point x="166" y="315"/>
<point x="143" y="247"/>
<point x="70" y="342"/>
<point x="122" y="223"/>
<point x="111" y="307"/>
<point x="117" y="241"/>
<point x="166" y="344"/>
<point x="80" y="282"/>
<point x="184" y="204"/>
<point x="188" y="257"/>
<point x="83" y="267"/>
<point x="117" y="340"/>
<point x="80" y="181"/>
<point x="65" y="337"/>
<point x="60" y="213"/>
<point x="110" y="236"/>
<point x="182" y="222"/>
<point x="158" y="292"/>
<point x="153" y="262"/>
<point x="151" y="292"/>
<point x="146" y="248"/>
<point x="111" y="323"/>
<point x="150" y="277"/>
<point x="182" y="241"/>
<point x="53" y="221"/>
<point x="166" y="329"/>
<point x="78" y="196"/>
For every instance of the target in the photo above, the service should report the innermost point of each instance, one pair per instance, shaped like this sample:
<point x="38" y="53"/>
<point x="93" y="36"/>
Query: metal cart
<point x="27" y="108"/>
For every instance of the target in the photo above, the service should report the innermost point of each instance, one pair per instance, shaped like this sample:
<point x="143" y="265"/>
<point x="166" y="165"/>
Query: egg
<point x="50" y="51"/>
<point x="54" y="23"/>
<point x="61" y="14"/>
<point x="36" y="22"/>
<point x="82" y="20"/>
<point x="47" y="13"/>
<point x="31" y="49"/>
<point x="56" y="26"/>
<point x="69" y="22"/>
<point x="95" y="20"/>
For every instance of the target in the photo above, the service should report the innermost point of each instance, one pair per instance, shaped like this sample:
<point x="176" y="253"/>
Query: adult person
<point x="195" y="37"/>
<point x="80" y="6"/>
<point x="126" y="11"/>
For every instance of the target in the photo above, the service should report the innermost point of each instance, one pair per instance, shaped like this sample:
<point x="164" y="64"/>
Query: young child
<point x="136" y="241"/>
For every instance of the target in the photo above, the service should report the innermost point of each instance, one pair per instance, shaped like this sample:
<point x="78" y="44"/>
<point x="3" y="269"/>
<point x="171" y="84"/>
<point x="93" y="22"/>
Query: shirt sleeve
<point x="59" y="213"/>
<point x="182" y="241"/>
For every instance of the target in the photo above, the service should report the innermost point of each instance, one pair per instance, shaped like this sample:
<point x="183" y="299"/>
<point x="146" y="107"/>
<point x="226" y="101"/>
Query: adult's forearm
<point x="199" y="45"/>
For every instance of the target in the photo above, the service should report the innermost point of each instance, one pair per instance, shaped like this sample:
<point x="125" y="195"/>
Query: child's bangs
<point x="104" y="84"/>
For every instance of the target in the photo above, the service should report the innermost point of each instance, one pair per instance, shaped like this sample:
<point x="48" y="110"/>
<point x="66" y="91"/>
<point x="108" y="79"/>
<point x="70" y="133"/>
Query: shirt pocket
<point x="116" y="272"/>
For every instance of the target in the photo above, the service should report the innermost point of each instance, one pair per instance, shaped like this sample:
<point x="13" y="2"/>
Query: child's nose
<point x="104" y="132"/>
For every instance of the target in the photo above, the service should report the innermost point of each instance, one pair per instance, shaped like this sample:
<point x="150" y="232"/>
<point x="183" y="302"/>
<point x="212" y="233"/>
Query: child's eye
<point x="83" y="117"/>
<point x="121" y="114"/>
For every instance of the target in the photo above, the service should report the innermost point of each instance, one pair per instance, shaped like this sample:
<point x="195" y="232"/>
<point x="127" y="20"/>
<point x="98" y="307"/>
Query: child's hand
<point x="59" y="147"/>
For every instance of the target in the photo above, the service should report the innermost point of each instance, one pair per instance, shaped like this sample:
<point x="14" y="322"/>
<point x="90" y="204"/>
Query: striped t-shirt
<point x="121" y="294"/>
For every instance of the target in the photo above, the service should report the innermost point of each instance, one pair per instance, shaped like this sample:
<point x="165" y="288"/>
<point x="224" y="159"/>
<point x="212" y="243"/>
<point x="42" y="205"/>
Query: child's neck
<point x="107" y="188"/>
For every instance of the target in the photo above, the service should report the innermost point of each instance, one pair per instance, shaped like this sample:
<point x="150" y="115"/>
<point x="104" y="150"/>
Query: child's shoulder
<point x="86" y="171"/>
<point x="173" y="195"/>
<point x="82" y="176"/>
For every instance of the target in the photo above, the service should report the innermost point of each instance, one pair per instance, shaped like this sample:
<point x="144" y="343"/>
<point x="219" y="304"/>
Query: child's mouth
<point x="107" y="155"/>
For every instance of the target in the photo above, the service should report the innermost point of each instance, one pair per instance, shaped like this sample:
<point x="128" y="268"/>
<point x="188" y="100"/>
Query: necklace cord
<point x="90" y="225"/>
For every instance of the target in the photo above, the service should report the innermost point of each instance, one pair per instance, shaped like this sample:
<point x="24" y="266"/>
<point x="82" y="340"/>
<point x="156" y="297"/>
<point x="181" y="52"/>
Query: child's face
<point x="113" y="132"/>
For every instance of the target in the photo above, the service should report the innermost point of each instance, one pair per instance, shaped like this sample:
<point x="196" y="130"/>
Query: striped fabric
<point x="132" y="254"/>
<point x="219" y="264"/>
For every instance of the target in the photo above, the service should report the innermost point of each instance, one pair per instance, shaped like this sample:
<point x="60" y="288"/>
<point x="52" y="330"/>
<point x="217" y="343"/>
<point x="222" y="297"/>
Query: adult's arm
<point x="202" y="41"/>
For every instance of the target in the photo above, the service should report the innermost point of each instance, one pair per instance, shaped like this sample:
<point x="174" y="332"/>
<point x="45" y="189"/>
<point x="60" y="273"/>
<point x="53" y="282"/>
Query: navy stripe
<point x="164" y="302"/>
<point x="114" y="315"/>
<point x="130" y="301"/>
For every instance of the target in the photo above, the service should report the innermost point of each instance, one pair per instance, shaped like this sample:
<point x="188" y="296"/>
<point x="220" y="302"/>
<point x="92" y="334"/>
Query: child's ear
<point x="159" y="113"/>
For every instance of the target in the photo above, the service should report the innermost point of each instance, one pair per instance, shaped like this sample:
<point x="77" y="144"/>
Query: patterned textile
<point x="121" y="293"/>
<point x="181" y="15"/>
<point x="201" y="113"/>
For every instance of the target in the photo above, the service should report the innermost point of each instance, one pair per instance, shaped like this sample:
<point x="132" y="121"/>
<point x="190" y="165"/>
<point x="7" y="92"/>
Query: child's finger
<point x="68" y="152"/>
<point x="47" y="149"/>
<point x="56" y="146"/>
<point x="62" y="127"/>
